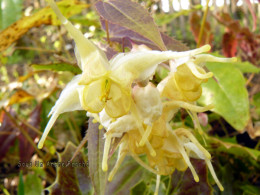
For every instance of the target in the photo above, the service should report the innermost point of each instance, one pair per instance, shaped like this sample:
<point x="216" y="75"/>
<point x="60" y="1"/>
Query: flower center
<point x="105" y="90"/>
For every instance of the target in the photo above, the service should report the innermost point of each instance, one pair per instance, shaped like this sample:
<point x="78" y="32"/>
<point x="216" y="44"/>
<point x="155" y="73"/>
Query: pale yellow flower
<point x="104" y="84"/>
<point x="186" y="75"/>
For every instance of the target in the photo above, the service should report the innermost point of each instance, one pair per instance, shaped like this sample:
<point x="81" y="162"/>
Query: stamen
<point x="94" y="121"/>
<point x="185" y="157"/>
<point x="158" y="178"/>
<point x="211" y="169"/>
<point x="150" y="148"/>
<point x="188" y="134"/>
<point x="138" y="160"/>
<point x="196" y="73"/>
<point x="195" y="121"/>
<point x="146" y="135"/>
<point x="106" y="151"/>
<point x="141" y="129"/>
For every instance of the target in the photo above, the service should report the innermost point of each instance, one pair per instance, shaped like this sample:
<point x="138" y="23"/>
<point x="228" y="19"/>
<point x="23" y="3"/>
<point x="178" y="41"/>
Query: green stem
<point x="203" y="24"/>
<point x="169" y="185"/>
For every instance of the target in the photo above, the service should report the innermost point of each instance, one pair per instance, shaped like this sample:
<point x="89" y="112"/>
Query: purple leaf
<point x="120" y="34"/>
<point x="110" y="52"/>
<point x="133" y="17"/>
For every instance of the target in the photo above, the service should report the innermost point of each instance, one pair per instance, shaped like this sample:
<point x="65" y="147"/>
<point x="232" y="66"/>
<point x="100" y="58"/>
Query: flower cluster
<point x="140" y="115"/>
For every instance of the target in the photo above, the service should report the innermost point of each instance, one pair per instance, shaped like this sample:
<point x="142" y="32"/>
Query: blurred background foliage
<point x="37" y="60"/>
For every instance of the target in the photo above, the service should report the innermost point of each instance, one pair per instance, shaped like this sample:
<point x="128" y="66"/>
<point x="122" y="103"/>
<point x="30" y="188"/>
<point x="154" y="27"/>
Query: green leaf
<point x="228" y="94"/>
<point x="140" y="188"/>
<point x="246" y="67"/>
<point x="10" y="11"/>
<point x="233" y="163"/>
<point x="72" y="178"/>
<point x="96" y="143"/>
<point x="21" y="184"/>
<point x="33" y="185"/>
<point x="230" y="147"/>
<point x="132" y="16"/>
<point x="250" y="190"/>
<point x="256" y="102"/>
<point x="58" y="67"/>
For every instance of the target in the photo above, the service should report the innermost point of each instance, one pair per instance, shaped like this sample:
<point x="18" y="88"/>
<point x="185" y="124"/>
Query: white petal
<point x="105" y="120"/>
<point x="122" y="125"/>
<point x="68" y="101"/>
<point x="148" y="103"/>
<point x="139" y="66"/>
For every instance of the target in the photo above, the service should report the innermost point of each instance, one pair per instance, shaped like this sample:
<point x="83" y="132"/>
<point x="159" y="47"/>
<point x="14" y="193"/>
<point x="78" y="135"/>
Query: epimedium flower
<point x="147" y="107"/>
<point x="178" y="147"/>
<point x="105" y="84"/>
<point x="186" y="76"/>
<point x="140" y="116"/>
<point x="173" y="147"/>
<point x="154" y="117"/>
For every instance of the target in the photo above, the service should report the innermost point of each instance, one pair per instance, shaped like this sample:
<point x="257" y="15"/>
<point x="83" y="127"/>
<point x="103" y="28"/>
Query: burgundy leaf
<point x="188" y="185"/>
<point x="229" y="43"/>
<point x="8" y="133"/>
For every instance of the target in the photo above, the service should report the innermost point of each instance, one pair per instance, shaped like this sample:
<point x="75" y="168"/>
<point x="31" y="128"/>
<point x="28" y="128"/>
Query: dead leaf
<point x="44" y="16"/>
<point x="20" y="96"/>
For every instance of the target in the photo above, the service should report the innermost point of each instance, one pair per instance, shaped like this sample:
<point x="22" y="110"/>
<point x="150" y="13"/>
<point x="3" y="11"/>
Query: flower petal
<point x="122" y="125"/>
<point x="91" y="96"/>
<point x="68" y="101"/>
<point x="93" y="60"/>
<point x="199" y="59"/>
<point x="119" y="101"/>
<point x="141" y="65"/>
<point x="148" y="103"/>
